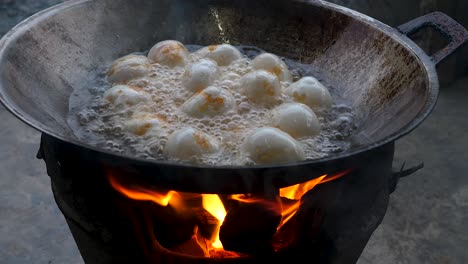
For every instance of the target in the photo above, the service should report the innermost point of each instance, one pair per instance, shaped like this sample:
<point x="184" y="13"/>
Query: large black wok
<point x="390" y="81"/>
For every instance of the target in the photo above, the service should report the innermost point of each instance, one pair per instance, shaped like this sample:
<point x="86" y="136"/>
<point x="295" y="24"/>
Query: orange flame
<point x="213" y="204"/>
<point x="296" y="192"/>
<point x="141" y="194"/>
<point x="335" y="176"/>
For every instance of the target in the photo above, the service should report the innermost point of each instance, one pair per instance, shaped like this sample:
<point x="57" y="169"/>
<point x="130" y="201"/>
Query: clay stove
<point x="116" y="218"/>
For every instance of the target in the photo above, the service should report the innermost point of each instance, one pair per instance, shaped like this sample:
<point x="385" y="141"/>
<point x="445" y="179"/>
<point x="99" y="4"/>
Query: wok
<point x="391" y="82"/>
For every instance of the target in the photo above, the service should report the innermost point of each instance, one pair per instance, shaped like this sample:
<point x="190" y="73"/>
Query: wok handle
<point x="447" y="26"/>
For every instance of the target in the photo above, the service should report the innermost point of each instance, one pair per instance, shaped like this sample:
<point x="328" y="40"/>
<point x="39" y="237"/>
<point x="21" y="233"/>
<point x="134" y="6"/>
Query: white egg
<point x="209" y="102"/>
<point x="171" y="53"/>
<point x="223" y="54"/>
<point x="145" y="125"/>
<point x="273" y="64"/>
<point x="268" y="145"/>
<point x="189" y="142"/>
<point x="311" y="92"/>
<point x="296" y="119"/>
<point x="124" y="96"/>
<point x="128" y="68"/>
<point x="200" y="75"/>
<point x="261" y="86"/>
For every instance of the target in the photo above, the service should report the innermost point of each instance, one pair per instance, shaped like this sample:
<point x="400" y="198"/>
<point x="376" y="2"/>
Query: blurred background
<point x="427" y="218"/>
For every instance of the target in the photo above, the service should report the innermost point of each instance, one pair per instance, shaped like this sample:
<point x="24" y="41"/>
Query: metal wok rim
<point x="423" y="59"/>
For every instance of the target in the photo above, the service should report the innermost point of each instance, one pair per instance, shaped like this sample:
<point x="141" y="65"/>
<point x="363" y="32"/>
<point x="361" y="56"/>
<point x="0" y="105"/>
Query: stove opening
<point x="212" y="225"/>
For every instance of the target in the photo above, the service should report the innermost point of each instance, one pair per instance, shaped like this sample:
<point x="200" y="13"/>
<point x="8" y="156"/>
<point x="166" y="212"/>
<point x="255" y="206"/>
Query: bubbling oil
<point x="93" y="120"/>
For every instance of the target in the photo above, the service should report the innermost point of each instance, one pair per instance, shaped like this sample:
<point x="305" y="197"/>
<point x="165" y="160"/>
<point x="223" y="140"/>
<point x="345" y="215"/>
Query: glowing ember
<point x="213" y="204"/>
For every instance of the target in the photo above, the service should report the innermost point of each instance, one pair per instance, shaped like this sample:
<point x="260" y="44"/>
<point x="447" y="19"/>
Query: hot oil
<point x="95" y="122"/>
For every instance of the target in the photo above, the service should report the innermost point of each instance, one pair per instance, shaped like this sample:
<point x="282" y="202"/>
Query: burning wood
<point x="250" y="227"/>
<point x="196" y="246"/>
<point x="173" y="228"/>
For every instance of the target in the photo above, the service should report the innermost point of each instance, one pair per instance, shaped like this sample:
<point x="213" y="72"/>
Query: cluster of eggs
<point x="202" y="70"/>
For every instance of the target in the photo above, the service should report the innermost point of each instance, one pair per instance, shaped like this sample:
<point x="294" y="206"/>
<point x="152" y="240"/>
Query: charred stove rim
<point x="422" y="58"/>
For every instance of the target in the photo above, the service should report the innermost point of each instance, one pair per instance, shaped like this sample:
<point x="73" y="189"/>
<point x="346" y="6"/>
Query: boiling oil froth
<point x="93" y="121"/>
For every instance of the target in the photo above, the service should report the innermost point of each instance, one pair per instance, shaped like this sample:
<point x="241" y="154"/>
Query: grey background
<point x="427" y="219"/>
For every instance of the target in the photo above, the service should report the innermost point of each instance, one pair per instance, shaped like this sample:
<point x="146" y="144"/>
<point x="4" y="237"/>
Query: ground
<point x="426" y="221"/>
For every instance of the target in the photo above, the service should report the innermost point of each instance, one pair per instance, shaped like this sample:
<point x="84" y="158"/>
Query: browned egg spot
<point x="162" y="117"/>
<point x="212" y="47"/>
<point x="167" y="49"/>
<point x="201" y="140"/>
<point x="173" y="52"/>
<point x="215" y="102"/>
<point x="143" y="129"/>
<point x="276" y="70"/>
<point x="112" y="70"/>
<point x="268" y="87"/>
<point x="299" y="97"/>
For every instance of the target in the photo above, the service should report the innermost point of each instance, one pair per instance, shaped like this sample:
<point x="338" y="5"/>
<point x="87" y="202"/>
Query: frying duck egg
<point x="171" y="53"/>
<point x="145" y="125"/>
<point x="200" y="75"/>
<point x="128" y="68"/>
<point x="273" y="64"/>
<point x="124" y="96"/>
<point x="189" y="142"/>
<point x="209" y="102"/>
<point x="223" y="54"/>
<point x="261" y="86"/>
<point x="311" y="92"/>
<point x="269" y="145"/>
<point x="296" y="119"/>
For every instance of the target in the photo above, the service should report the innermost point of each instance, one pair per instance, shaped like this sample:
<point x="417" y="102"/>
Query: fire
<point x="141" y="194"/>
<point x="295" y="192"/>
<point x="288" y="202"/>
<point x="335" y="176"/>
<point x="213" y="204"/>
